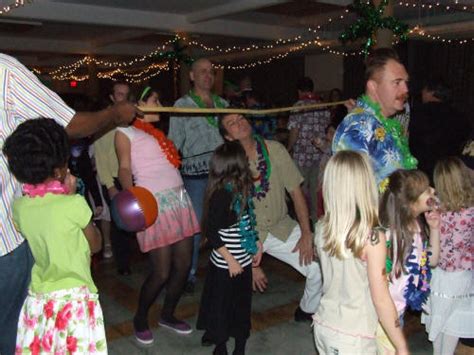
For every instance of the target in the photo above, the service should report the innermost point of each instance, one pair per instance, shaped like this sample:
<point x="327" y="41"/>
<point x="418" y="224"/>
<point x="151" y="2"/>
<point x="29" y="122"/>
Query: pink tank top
<point x="150" y="167"/>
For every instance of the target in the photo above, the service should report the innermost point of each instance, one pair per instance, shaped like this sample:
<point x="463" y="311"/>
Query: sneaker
<point x="179" y="326"/>
<point x="145" y="337"/>
<point x="107" y="253"/>
<point x="302" y="316"/>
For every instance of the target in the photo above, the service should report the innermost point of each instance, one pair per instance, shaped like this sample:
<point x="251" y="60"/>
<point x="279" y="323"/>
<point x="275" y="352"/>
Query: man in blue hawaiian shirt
<point x="368" y="127"/>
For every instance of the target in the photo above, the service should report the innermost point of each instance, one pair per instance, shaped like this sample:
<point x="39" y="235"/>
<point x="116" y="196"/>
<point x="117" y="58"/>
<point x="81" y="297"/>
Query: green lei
<point x="217" y="104"/>
<point x="374" y="239"/>
<point x="394" y="128"/>
<point x="248" y="231"/>
<point x="388" y="261"/>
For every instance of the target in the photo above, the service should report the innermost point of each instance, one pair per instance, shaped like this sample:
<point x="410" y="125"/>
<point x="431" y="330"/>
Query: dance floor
<point x="274" y="330"/>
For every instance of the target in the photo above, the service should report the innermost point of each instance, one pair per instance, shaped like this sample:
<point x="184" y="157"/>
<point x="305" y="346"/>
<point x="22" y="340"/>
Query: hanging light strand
<point x="67" y="72"/>
<point x="14" y="5"/>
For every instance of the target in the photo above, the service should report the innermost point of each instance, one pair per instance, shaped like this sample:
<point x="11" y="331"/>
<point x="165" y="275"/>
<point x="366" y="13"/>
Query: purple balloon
<point x="127" y="213"/>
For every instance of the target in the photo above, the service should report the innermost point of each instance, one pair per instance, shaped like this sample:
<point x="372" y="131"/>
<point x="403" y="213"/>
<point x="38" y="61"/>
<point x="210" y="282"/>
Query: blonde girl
<point x="351" y="248"/>
<point x="451" y="303"/>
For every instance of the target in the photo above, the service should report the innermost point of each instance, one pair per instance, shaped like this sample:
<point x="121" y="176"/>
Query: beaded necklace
<point x="198" y="101"/>
<point x="53" y="186"/>
<point x="166" y="144"/>
<point x="264" y="168"/>
<point x="249" y="235"/>
<point x="394" y="128"/>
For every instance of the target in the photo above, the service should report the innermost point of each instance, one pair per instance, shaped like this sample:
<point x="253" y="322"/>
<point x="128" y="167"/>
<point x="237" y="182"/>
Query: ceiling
<point x="48" y="33"/>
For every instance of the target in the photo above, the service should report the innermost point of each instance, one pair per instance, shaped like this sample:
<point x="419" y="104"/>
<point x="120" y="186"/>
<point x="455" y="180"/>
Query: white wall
<point x="326" y="70"/>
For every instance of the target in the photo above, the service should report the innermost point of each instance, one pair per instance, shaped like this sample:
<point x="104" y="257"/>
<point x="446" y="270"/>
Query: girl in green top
<point x="61" y="312"/>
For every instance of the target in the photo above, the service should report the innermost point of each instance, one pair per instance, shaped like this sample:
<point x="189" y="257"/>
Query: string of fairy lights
<point x="125" y="69"/>
<point x="456" y="6"/>
<point x="14" y="5"/>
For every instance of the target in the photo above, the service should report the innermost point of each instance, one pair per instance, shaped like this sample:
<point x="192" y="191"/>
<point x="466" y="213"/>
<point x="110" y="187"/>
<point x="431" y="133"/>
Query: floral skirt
<point x="61" y="322"/>
<point x="176" y="220"/>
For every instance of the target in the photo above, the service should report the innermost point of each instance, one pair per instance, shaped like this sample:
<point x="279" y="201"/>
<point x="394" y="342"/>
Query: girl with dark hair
<point x="62" y="311"/>
<point x="410" y="254"/>
<point x="148" y="159"/>
<point x="228" y="223"/>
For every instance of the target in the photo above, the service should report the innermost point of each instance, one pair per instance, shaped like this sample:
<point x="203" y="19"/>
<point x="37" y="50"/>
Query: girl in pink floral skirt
<point x="61" y="313"/>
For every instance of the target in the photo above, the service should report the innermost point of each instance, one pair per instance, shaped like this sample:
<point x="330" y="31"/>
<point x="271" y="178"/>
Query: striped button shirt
<point x="232" y="238"/>
<point x="22" y="97"/>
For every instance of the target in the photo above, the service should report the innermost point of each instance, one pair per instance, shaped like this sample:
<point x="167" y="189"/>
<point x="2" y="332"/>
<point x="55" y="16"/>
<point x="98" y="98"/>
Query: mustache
<point x="402" y="97"/>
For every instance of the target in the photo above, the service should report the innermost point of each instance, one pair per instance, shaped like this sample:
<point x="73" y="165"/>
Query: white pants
<point x="283" y="252"/>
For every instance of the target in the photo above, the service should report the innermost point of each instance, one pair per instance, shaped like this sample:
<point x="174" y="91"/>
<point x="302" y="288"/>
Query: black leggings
<point x="169" y="266"/>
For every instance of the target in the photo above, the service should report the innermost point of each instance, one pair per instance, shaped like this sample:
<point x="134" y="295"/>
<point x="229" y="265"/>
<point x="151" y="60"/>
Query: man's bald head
<point x="202" y="74"/>
<point x="199" y="63"/>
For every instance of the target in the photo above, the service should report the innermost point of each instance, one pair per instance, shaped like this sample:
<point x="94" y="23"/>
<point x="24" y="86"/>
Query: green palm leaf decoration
<point x="370" y="20"/>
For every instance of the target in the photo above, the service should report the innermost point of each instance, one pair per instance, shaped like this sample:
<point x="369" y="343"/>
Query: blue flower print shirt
<point x="362" y="131"/>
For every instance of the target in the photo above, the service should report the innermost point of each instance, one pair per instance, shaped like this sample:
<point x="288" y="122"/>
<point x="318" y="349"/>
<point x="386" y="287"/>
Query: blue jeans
<point x="196" y="187"/>
<point x="15" y="276"/>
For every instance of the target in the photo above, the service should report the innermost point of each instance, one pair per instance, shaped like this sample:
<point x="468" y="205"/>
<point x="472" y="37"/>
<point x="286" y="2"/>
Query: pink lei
<point x="54" y="187"/>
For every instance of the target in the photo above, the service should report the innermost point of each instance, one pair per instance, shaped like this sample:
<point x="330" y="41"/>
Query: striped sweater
<point x="223" y="230"/>
<point x="231" y="239"/>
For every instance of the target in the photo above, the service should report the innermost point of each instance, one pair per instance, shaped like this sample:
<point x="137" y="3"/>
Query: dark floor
<point x="274" y="330"/>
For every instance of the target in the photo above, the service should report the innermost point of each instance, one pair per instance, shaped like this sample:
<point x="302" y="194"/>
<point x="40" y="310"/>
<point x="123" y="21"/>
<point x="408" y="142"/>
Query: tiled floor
<point x="274" y="330"/>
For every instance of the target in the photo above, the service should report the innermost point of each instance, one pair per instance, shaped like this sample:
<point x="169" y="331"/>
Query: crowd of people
<point x="345" y="198"/>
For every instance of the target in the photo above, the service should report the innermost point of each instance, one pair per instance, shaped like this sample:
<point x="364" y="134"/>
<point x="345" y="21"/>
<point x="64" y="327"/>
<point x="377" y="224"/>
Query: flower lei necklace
<point x="198" y="101"/>
<point x="395" y="129"/>
<point x="246" y="225"/>
<point x="166" y="144"/>
<point x="264" y="168"/>
<point x="416" y="295"/>
<point x="53" y="186"/>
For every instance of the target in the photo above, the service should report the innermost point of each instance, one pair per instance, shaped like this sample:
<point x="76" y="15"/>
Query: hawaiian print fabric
<point x="457" y="248"/>
<point x="310" y="124"/>
<point x="263" y="125"/>
<point x="361" y="131"/>
<point x="61" y="322"/>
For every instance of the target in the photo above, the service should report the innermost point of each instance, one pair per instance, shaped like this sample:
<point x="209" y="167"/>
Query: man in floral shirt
<point x="304" y="127"/>
<point x="368" y="127"/>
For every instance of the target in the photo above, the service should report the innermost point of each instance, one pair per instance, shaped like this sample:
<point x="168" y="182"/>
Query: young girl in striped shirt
<point x="229" y="225"/>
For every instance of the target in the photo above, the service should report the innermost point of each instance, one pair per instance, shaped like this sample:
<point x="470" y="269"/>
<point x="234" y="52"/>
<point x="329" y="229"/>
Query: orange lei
<point x="166" y="145"/>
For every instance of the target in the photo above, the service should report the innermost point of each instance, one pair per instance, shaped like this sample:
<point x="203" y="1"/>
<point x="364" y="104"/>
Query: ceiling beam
<point x="119" y="36"/>
<point x="42" y="10"/>
<point x="47" y="45"/>
<point x="336" y="2"/>
<point x="229" y="9"/>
